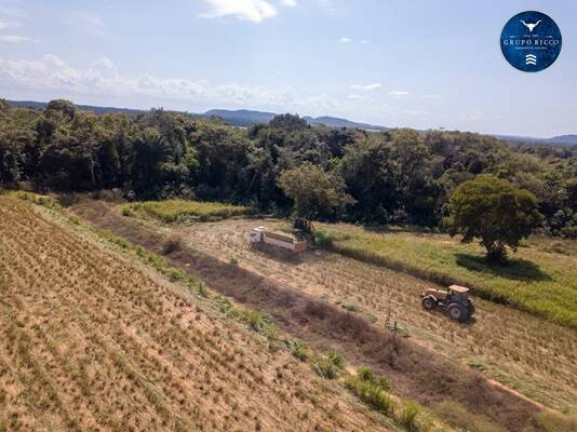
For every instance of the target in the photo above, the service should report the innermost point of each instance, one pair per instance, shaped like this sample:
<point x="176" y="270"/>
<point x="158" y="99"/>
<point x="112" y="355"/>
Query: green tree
<point x="288" y="123"/>
<point x="366" y="168"/>
<point x="314" y="192"/>
<point x="572" y="193"/>
<point x="493" y="210"/>
<point x="62" y="107"/>
<point x="411" y="160"/>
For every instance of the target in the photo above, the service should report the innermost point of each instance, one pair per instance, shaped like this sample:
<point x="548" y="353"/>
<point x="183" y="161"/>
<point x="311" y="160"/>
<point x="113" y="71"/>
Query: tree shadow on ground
<point x="287" y="256"/>
<point x="514" y="269"/>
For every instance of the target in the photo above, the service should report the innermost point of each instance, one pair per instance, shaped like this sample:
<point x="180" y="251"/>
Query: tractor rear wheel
<point x="429" y="303"/>
<point x="457" y="312"/>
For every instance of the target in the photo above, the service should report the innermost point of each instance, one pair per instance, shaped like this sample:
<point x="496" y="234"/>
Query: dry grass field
<point x="515" y="348"/>
<point x="540" y="278"/>
<point x="531" y="355"/>
<point x="93" y="341"/>
<point x="508" y="345"/>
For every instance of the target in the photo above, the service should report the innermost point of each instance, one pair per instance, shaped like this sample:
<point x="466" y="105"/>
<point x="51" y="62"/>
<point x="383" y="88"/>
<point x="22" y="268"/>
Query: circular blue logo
<point x="531" y="41"/>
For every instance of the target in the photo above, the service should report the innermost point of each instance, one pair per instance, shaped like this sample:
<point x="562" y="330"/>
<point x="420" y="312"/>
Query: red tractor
<point x="455" y="302"/>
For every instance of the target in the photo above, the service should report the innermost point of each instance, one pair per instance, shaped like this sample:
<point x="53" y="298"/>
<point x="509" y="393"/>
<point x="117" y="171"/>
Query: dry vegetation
<point x="92" y="341"/>
<point x="526" y="353"/>
<point x="305" y="296"/>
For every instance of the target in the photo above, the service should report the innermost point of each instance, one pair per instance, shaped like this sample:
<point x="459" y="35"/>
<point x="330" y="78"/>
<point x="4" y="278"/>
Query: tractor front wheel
<point x="429" y="303"/>
<point x="457" y="312"/>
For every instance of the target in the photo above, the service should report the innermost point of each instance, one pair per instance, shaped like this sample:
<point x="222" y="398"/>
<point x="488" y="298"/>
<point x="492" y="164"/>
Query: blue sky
<point x="423" y="64"/>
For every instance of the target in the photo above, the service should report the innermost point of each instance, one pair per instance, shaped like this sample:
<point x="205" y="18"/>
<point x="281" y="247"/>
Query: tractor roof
<point x="459" y="289"/>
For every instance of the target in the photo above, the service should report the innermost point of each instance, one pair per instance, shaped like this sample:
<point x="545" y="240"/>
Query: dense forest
<point x="400" y="177"/>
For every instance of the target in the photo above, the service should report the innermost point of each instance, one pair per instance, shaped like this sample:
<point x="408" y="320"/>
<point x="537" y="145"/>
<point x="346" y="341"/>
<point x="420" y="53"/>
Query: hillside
<point x="244" y="117"/>
<point x="328" y="304"/>
<point x="93" y="341"/>
<point x="232" y="117"/>
<point x="92" y="108"/>
<point x="248" y="117"/>
<point x="569" y="140"/>
<point x="490" y="344"/>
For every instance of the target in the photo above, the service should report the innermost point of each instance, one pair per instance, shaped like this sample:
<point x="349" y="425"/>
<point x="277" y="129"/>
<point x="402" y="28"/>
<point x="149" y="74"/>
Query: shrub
<point x="222" y="303"/>
<point x="408" y="416"/>
<point x="173" y="244"/>
<point x="553" y="422"/>
<point x="128" y="211"/>
<point x="202" y="290"/>
<point x="337" y="359"/>
<point x="257" y="320"/>
<point x="365" y="373"/>
<point x="67" y="200"/>
<point x="325" y="369"/>
<point x="176" y="210"/>
<point x="351" y="306"/>
<point x="297" y="349"/>
<point x="371" y="389"/>
<point x="372" y="394"/>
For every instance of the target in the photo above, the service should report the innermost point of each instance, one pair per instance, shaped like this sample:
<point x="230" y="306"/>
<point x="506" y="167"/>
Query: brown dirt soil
<point x="93" y="341"/>
<point x="290" y="291"/>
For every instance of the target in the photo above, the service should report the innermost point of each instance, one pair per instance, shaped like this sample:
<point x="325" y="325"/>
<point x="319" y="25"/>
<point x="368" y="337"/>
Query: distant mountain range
<point x="561" y="140"/>
<point x="95" y="109"/>
<point x="249" y="117"/>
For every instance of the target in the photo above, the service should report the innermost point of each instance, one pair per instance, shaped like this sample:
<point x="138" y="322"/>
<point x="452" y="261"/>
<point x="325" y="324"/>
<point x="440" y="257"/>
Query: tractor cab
<point x="455" y="302"/>
<point x="458" y="293"/>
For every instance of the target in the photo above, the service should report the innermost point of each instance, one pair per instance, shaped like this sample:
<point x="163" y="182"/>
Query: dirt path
<point x="299" y="296"/>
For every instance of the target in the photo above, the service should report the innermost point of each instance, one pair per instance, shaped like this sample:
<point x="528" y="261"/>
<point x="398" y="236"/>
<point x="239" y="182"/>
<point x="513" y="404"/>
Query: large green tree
<point x="366" y="168"/>
<point x="314" y="192"/>
<point x="493" y="210"/>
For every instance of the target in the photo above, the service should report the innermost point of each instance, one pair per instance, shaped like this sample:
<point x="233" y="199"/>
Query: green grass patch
<point x="373" y="390"/>
<point x="535" y="281"/>
<point x="177" y="210"/>
<point x="34" y="198"/>
<point x="329" y="367"/>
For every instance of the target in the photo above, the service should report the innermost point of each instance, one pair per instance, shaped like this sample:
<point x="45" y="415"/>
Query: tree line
<point x="401" y="177"/>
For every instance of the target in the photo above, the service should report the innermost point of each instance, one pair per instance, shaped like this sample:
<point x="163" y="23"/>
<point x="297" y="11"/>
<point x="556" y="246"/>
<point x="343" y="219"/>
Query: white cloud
<point x="4" y="25"/>
<point x="103" y="79"/>
<point x="399" y="93"/>
<point x="366" y="87"/>
<point x="365" y="42"/>
<point x="290" y="3"/>
<point x="14" y="38"/>
<point x="345" y="39"/>
<point x="357" y="97"/>
<point x="248" y="10"/>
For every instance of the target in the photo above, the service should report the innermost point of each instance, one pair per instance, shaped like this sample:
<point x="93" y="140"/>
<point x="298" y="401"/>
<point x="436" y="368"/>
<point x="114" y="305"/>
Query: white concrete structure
<point x="275" y="238"/>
